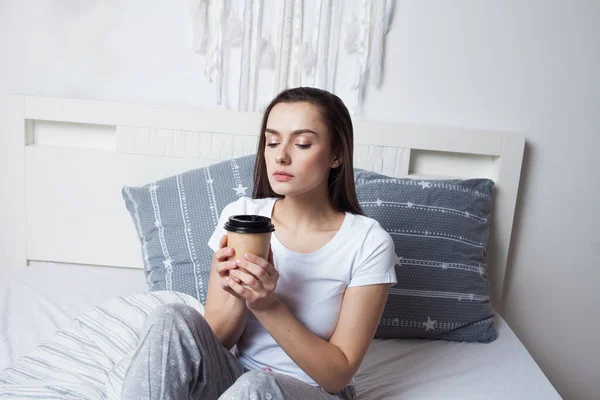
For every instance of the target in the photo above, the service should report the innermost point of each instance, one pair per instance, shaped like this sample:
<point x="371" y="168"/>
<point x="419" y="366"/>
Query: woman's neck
<point x="306" y="212"/>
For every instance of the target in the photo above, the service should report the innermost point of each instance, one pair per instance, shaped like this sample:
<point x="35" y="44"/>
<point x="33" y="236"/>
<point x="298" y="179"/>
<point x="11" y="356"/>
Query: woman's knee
<point x="174" y="310"/>
<point x="257" y="377"/>
<point x="178" y="313"/>
<point x="253" y="382"/>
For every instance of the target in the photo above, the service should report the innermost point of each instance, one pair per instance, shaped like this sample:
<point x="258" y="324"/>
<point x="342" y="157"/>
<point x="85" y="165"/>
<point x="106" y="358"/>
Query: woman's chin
<point x="282" y="188"/>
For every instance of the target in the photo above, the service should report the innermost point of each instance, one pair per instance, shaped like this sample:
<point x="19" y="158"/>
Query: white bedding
<point x="36" y="301"/>
<point x="421" y="369"/>
<point x="87" y="359"/>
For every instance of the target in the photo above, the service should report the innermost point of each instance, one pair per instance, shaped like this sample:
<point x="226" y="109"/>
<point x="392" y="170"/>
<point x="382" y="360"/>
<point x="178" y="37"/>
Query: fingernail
<point x="248" y="256"/>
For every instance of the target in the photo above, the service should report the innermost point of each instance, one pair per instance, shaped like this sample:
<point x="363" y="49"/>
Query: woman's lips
<point x="282" y="176"/>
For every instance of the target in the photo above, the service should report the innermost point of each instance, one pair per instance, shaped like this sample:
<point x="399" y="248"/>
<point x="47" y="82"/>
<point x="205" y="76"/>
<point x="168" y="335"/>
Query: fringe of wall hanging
<point x="297" y="57"/>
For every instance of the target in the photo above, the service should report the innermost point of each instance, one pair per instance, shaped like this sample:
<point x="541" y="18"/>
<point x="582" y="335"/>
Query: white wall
<point x="530" y="66"/>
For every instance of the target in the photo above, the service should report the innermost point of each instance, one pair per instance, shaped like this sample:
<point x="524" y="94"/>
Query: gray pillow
<point x="176" y="216"/>
<point x="440" y="230"/>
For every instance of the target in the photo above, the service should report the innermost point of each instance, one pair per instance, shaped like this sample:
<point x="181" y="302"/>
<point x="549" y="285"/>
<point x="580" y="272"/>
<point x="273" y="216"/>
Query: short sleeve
<point x="379" y="260"/>
<point x="219" y="231"/>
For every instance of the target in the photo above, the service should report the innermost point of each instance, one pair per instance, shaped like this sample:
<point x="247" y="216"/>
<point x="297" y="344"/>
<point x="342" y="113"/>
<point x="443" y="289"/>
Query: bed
<point x="56" y="278"/>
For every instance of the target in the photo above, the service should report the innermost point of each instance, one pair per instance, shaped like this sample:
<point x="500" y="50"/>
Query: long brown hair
<point x="336" y="117"/>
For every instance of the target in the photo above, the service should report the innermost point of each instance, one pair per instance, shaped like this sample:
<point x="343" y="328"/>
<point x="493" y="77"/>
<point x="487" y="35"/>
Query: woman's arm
<point x="330" y="363"/>
<point x="225" y="311"/>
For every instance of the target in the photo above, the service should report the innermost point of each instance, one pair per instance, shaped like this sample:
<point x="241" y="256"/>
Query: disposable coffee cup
<point x="249" y="234"/>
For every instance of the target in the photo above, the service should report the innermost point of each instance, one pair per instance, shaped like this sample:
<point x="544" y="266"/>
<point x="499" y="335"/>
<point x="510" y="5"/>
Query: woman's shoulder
<point x="372" y="242"/>
<point x="369" y="228"/>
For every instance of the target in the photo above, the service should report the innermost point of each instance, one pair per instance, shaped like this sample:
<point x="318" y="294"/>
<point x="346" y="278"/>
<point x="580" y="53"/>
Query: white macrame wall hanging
<point x="273" y="35"/>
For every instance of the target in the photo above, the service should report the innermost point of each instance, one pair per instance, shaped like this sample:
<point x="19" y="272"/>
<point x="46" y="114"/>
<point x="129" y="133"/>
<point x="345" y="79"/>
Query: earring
<point x="336" y="163"/>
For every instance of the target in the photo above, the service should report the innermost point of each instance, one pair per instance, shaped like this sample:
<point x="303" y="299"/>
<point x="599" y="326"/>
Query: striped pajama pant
<point x="179" y="357"/>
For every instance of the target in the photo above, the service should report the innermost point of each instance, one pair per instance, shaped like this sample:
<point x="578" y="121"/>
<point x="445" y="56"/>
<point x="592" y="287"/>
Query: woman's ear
<point x="336" y="163"/>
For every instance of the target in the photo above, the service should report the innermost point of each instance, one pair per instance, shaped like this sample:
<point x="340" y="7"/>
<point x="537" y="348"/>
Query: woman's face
<point x="298" y="151"/>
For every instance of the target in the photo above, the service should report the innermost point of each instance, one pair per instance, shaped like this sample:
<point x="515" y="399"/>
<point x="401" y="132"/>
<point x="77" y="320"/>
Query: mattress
<point x="43" y="298"/>
<point x="421" y="369"/>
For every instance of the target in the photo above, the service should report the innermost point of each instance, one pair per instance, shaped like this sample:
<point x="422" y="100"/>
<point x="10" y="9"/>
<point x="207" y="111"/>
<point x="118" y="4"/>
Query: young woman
<point x="301" y="320"/>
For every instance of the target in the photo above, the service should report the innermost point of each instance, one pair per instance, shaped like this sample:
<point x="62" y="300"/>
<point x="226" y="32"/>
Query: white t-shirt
<point x="312" y="285"/>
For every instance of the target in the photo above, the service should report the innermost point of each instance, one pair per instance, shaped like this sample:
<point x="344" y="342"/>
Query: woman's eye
<point x="303" y="146"/>
<point x="272" y="144"/>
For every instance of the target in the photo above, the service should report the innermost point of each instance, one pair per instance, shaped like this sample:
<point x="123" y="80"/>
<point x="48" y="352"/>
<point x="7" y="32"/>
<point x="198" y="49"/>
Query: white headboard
<point x="64" y="162"/>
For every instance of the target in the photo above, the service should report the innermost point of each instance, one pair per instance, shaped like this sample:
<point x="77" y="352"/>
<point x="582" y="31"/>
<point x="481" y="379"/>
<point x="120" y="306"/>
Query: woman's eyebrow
<point x="296" y="132"/>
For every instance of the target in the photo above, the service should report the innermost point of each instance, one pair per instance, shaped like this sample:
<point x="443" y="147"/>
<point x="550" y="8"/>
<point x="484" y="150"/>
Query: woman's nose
<point x="282" y="157"/>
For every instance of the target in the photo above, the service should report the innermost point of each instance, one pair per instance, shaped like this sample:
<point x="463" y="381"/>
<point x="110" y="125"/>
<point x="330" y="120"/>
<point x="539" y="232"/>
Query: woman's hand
<point x="258" y="281"/>
<point x="224" y="266"/>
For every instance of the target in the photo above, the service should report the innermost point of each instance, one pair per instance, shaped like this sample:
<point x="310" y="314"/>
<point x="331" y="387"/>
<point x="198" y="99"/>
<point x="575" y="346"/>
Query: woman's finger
<point x="223" y="241"/>
<point x="225" y="285"/>
<point x="237" y="288"/>
<point x="224" y="253"/>
<point x="259" y="272"/>
<point x="233" y="277"/>
<point x="223" y="268"/>
<point x="246" y="278"/>
<point x="253" y="258"/>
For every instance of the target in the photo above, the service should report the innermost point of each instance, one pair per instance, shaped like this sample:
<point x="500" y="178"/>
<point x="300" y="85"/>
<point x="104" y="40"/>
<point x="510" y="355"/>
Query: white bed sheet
<point x="421" y="369"/>
<point x="38" y="300"/>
